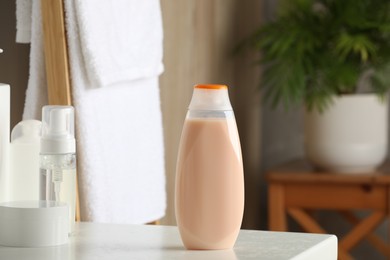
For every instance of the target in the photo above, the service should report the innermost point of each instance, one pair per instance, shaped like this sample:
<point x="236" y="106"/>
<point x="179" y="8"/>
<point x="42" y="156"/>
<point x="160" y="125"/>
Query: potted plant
<point x="333" y="56"/>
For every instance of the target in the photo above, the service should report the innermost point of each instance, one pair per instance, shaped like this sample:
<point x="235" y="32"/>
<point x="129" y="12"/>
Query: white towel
<point x="36" y="94"/>
<point x="119" y="136"/>
<point x="121" y="40"/>
<point x="23" y="21"/>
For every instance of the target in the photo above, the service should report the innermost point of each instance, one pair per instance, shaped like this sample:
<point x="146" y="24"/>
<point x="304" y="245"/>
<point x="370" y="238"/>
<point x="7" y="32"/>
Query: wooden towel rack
<point x="56" y="58"/>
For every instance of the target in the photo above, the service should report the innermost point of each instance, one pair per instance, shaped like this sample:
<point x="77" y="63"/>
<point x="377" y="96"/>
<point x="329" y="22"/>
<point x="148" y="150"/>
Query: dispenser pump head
<point x="58" y="130"/>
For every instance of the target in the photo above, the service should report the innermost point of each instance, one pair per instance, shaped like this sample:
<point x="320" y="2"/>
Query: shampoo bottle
<point x="209" y="176"/>
<point x="58" y="158"/>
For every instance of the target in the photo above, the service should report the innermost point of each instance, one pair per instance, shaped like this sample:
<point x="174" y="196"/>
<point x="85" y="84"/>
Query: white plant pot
<point x="350" y="136"/>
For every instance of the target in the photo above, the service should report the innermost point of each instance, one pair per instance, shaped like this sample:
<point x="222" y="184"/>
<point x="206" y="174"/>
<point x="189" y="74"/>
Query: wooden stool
<point x="295" y="188"/>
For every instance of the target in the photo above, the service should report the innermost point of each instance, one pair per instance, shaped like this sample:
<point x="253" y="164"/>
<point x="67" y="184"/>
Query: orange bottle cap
<point x="211" y="86"/>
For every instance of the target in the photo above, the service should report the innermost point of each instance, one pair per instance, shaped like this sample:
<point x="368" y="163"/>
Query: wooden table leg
<point x="375" y="240"/>
<point x="311" y="226"/>
<point x="277" y="212"/>
<point x="361" y="230"/>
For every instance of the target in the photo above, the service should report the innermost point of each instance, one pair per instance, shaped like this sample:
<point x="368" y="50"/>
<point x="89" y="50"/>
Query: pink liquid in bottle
<point x="209" y="178"/>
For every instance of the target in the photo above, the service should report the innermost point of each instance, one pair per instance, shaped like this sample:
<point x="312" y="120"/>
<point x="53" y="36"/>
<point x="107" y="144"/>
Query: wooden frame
<point x="56" y="59"/>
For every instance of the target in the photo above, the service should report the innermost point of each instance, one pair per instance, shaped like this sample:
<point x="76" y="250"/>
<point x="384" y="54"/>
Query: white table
<point x="110" y="242"/>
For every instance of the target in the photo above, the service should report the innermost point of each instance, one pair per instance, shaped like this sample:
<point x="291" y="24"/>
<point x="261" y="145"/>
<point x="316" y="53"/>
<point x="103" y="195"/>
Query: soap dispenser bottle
<point x="58" y="157"/>
<point x="209" y="196"/>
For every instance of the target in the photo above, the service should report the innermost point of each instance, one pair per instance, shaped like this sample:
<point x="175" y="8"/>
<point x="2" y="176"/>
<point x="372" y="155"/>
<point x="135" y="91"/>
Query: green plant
<point x="316" y="49"/>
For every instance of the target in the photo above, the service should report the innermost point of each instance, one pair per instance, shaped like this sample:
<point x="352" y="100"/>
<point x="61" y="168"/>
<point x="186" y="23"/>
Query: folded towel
<point x="121" y="40"/>
<point x="118" y="131"/>
<point x="23" y="21"/>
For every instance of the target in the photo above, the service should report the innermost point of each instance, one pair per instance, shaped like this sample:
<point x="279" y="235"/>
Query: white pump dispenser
<point x="58" y="130"/>
<point x="58" y="157"/>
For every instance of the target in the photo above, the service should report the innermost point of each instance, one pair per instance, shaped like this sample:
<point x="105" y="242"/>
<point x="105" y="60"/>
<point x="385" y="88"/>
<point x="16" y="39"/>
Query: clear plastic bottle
<point x="209" y="177"/>
<point x="58" y="158"/>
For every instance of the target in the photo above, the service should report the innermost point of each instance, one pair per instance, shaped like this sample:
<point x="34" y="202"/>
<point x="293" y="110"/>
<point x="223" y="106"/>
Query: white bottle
<point x="24" y="161"/>
<point x="58" y="157"/>
<point x="5" y="104"/>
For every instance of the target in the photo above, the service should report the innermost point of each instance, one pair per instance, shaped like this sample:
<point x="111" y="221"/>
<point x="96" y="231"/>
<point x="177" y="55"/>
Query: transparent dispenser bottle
<point x="58" y="158"/>
<point x="209" y="196"/>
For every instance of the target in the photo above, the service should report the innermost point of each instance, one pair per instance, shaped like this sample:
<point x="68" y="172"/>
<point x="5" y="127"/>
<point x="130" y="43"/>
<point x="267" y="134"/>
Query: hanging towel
<point x="118" y="130"/>
<point x="36" y="93"/>
<point x="121" y="40"/>
<point x="23" y="21"/>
